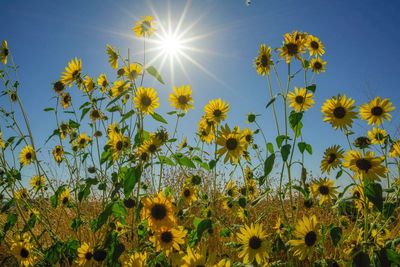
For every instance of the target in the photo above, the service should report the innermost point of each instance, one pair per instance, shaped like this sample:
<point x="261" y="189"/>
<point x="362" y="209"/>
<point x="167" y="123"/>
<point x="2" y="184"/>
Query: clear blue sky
<point x="361" y="39"/>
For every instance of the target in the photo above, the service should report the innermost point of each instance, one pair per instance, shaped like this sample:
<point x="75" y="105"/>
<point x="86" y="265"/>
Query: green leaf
<point x="271" y="102"/>
<point x="127" y="115"/>
<point x="185" y="161"/>
<point x="114" y="108"/>
<point x="119" y="211"/>
<point x="103" y="217"/>
<point x="303" y="146"/>
<point x="335" y="234"/>
<point x="285" y="151"/>
<point x="388" y="209"/>
<point x="312" y="88"/>
<point x="48" y="109"/>
<point x="373" y="191"/>
<point x="84" y="112"/>
<point x="153" y="72"/>
<point x="202" y="226"/>
<point x="105" y="156"/>
<point x="73" y="124"/>
<point x="280" y="139"/>
<point x="158" y="117"/>
<point x="225" y="232"/>
<point x="270" y="148"/>
<point x="295" y="118"/>
<point x="339" y="173"/>
<point x="166" y="160"/>
<point x="393" y="256"/>
<point x="131" y="178"/>
<point x="269" y="164"/>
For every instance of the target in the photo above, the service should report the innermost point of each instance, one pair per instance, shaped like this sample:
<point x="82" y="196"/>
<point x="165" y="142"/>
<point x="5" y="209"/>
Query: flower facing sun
<point x="324" y="189"/>
<point x="112" y="56"/>
<point x="300" y="99"/>
<point x="37" y="182"/>
<point x="23" y="252"/>
<point x="132" y="71"/>
<point x="364" y="165"/>
<point x="85" y="255"/>
<point x="27" y="155"/>
<point x="216" y="110"/>
<point x="314" y="46"/>
<point x="293" y="46"/>
<point x="181" y="98"/>
<point x="232" y="144"/>
<point x="263" y="61"/>
<point x="146" y="100"/>
<point x="332" y="158"/>
<point x="376" y="111"/>
<point x="102" y="82"/>
<point x="306" y="237"/>
<point x="72" y="72"/>
<point x="144" y="27"/>
<point x="338" y="111"/>
<point x="254" y="244"/>
<point x="169" y="239"/>
<point x="317" y="65"/>
<point x="377" y="136"/>
<point x="159" y="211"/>
<point x="4" y="52"/>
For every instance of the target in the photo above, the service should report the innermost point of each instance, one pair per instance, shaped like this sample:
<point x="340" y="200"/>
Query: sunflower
<point x="113" y="128"/>
<point x="58" y="87"/>
<point x="168" y="239"/>
<point x="314" y="46"/>
<point x="197" y="257"/>
<point x="120" y="229"/>
<point x="119" y="87"/>
<point x="394" y="150"/>
<point x="159" y="211"/>
<point x="112" y="56"/>
<point x="231" y="189"/>
<point x="183" y="144"/>
<point x="254" y="244"/>
<point x="223" y="263"/>
<point x="181" y="98"/>
<point x="65" y="129"/>
<point x="132" y="71"/>
<point x="364" y="165"/>
<point x="293" y="46"/>
<point x="72" y="72"/>
<point x="250" y="189"/>
<point x="317" y="65"/>
<point x="2" y="144"/>
<point x="232" y="144"/>
<point x="27" y="155"/>
<point x="23" y="252"/>
<point x="324" y="189"/>
<point x="88" y="84"/>
<point x="82" y="140"/>
<point x="332" y="158"/>
<point x="216" y="110"/>
<point x="96" y="114"/>
<point x="21" y="194"/>
<point x="279" y="227"/>
<point x="102" y="82"/>
<point x="229" y="205"/>
<point x="150" y="146"/>
<point x="306" y="237"/>
<point x="65" y="197"/>
<point x="136" y="259"/>
<point x="359" y="199"/>
<point x="118" y="144"/>
<point x="66" y="100"/>
<point x="146" y="100"/>
<point x="376" y="111"/>
<point x="4" y="52"/>
<point x="206" y="130"/>
<point x="144" y="27"/>
<point x="37" y="182"/>
<point x="85" y="255"/>
<point x="33" y="212"/>
<point x="247" y="135"/>
<point x="189" y="194"/>
<point x="377" y="136"/>
<point x="338" y="111"/>
<point x="300" y="99"/>
<point x="263" y="61"/>
<point x="248" y="173"/>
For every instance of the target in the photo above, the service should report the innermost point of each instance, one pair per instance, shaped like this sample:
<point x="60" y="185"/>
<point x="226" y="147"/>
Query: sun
<point x="171" y="45"/>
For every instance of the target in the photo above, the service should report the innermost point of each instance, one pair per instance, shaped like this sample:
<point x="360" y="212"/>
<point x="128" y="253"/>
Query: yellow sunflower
<point x="314" y="46"/>
<point x="359" y="199"/>
<point x="332" y="158"/>
<point x="216" y="110"/>
<point x="82" y="140"/>
<point x="96" y="114"/>
<point x="376" y="111"/>
<point x="120" y="229"/>
<point x="394" y="151"/>
<point x="118" y="144"/>
<point x="119" y="87"/>
<point x="396" y="147"/>
<point x="66" y="100"/>
<point x="58" y="87"/>
<point x="168" y="239"/>
<point x="189" y="194"/>
<point x="247" y="135"/>
<point x="21" y="194"/>
<point x="183" y="144"/>
<point x="144" y="27"/>
<point x="2" y="144"/>
<point x="58" y="153"/>
<point x="132" y="71"/>
<point x="206" y="130"/>
<point x="85" y="255"/>
<point x="197" y="257"/>
<point x="250" y="189"/>
<point x="377" y="136"/>
<point x="324" y="189"/>
<point x="300" y="99"/>
<point x="37" y="182"/>
<point x="232" y="144"/>
<point x="4" y="52"/>
<point x="317" y="65"/>
<point x="279" y="227"/>
<point x="23" y="252"/>
<point x="254" y="244"/>
<point x="112" y="56"/>
<point x="146" y="100"/>
<point x="306" y="236"/>
<point x="27" y="155"/>
<point x="263" y="61"/>
<point x="137" y="259"/>
<point x="231" y="189"/>
<point x="159" y="211"/>
<point x="293" y="46"/>
<point x="364" y="165"/>
<point x="102" y="82"/>
<point x="65" y="197"/>
<point x="113" y="128"/>
<point x="338" y="111"/>
<point x="181" y="98"/>
<point x="150" y="146"/>
<point x="72" y="72"/>
<point x="88" y="84"/>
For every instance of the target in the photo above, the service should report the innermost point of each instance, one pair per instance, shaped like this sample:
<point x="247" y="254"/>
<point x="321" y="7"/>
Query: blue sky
<point x="361" y="40"/>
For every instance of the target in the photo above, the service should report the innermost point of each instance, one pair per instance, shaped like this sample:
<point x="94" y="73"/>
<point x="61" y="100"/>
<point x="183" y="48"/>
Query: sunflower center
<point x="255" y="242"/>
<point x="379" y="136"/>
<point x="119" y="145"/>
<point x="82" y="141"/>
<point x="230" y="192"/>
<point x="314" y="45"/>
<point x="95" y="114"/>
<point x="356" y="194"/>
<point x="58" y="150"/>
<point x="166" y="237"/>
<point x="217" y="113"/>
<point x="88" y="255"/>
<point x="5" y="51"/>
<point x="145" y="101"/>
<point x="248" y="138"/>
<point x="182" y="100"/>
<point x="58" y="86"/>
<point x="317" y="65"/>
<point x="152" y="148"/>
<point x="339" y="112"/>
<point x="28" y="156"/>
<point x="323" y="189"/>
<point x="186" y="192"/>
<point x="292" y="49"/>
<point x="146" y="26"/>
<point x="75" y="74"/>
<point x="310" y="238"/>
<point x="159" y="212"/>
<point x="363" y="164"/>
<point x="377" y="111"/>
<point x="331" y="158"/>
<point x="299" y="99"/>
<point x="104" y="83"/>
<point x="264" y="60"/>
<point x="65" y="200"/>
<point x="24" y="253"/>
<point x="231" y="143"/>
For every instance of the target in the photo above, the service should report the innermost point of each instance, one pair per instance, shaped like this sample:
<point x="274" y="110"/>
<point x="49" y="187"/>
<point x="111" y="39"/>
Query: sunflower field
<point x="224" y="197"/>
